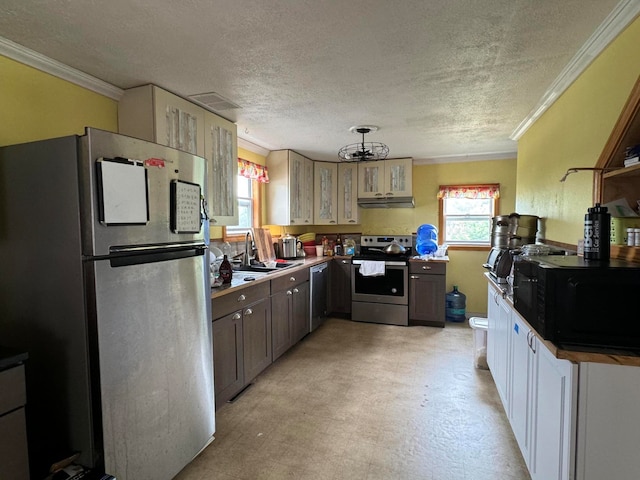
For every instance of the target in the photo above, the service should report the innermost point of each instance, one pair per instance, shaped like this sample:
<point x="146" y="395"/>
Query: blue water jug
<point x="426" y="239"/>
<point x="456" y="303"/>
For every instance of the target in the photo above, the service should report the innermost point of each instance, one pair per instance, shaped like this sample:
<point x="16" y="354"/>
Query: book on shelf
<point x="631" y="161"/>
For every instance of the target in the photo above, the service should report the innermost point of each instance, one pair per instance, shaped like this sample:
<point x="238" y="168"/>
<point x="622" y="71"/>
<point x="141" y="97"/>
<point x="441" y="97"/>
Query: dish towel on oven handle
<point x="372" y="268"/>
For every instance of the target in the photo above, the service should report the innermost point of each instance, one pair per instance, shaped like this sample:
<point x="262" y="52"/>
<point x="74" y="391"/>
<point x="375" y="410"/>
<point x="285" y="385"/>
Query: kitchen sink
<point x="262" y="268"/>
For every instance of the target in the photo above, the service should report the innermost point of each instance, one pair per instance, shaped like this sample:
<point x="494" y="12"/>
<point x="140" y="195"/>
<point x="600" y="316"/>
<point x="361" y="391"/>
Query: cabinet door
<point x="179" y="123"/>
<point x="228" y="362"/>
<point x="300" y="189"/>
<point x="370" y="179"/>
<point x="325" y="189"/>
<point x="427" y="299"/>
<point x="609" y="424"/>
<point x="256" y="338"/>
<point x="153" y="114"/>
<point x="502" y="352"/>
<point x="522" y="374"/>
<point x="398" y="177"/>
<point x="221" y="152"/>
<point x="300" y="312"/>
<point x="553" y="416"/>
<point x="492" y="320"/>
<point x="340" y="286"/>
<point x="348" y="213"/>
<point x="280" y="322"/>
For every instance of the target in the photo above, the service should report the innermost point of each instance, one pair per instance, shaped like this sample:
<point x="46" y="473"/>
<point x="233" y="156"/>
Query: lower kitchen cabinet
<point x="14" y="460"/>
<point x="340" y="285"/>
<point x="427" y="284"/>
<point x="290" y="310"/>
<point x="241" y="340"/>
<point x="538" y="392"/>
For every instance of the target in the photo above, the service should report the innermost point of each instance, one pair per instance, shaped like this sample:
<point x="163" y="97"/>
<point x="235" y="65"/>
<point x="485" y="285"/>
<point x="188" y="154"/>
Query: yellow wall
<point x="36" y="105"/>
<point x="465" y="268"/>
<point x="572" y="133"/>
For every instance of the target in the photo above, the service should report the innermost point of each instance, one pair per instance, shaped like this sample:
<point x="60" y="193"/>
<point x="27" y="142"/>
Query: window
<point x="465" y="214"/>
<point x="250" y="176"/>
<point x="245" y="208"/>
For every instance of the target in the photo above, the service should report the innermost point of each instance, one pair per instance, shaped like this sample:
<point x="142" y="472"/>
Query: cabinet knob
<point x="236" y="316"/>
<point x="345" y="262"/>
<point x="295" y="290"/>
<point x="424" y="267"/>
<point x="289" y="292"/>
<point x="378" y="195"/>
<point x="352" y="221"/>
<point x="248" y="311"/>
<point x="414" y="277"/>
<point x="241" y="298"/>
<point x="292" y="279"/>
<point x="389" y="194"/>
<point x="332" y="221"/>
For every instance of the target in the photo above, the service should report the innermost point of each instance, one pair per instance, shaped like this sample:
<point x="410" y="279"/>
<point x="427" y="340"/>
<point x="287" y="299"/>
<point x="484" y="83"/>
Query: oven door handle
<point x="387" y="263"/>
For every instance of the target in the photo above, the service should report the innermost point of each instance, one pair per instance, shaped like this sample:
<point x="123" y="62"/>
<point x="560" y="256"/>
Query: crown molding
<point x="478" y="157"/>
<point x="624" y="14"/>
<point x="252" y="147"/>
<point x="47" y="65"/>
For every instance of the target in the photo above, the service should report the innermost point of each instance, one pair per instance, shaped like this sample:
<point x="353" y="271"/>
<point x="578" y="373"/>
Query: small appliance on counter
<point x="573" y="301"/>
<point x="288" y="246"/>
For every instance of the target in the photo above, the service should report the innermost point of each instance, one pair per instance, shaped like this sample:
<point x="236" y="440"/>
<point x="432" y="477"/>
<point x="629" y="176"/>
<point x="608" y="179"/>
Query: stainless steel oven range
<point x="380" y="280"/>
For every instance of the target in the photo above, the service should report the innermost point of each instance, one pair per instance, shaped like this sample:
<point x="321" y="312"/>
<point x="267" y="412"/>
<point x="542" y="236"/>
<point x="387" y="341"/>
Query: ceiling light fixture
<point x="364" y="151"/>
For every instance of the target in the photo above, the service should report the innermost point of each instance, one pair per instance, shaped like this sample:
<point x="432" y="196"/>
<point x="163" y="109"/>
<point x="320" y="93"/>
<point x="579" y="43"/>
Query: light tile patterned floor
<point x="365" y="401"/>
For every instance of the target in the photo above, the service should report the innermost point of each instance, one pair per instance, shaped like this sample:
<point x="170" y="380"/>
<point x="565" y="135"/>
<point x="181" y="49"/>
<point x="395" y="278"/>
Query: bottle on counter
<point x="225" y="270"/>
<point x="337" y="248"/>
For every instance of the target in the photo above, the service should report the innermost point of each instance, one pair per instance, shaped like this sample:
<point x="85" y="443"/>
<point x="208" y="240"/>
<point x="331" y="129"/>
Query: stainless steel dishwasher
<point x="318" y="292"/>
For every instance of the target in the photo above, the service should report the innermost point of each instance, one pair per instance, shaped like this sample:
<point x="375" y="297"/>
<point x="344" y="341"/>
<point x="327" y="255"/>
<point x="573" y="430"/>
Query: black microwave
<point x="576" y="302"/>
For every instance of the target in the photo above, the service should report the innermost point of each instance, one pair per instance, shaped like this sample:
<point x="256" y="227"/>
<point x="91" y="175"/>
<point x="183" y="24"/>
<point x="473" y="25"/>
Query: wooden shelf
<point x="624" y="182"/>
<point x="633" y="171"/>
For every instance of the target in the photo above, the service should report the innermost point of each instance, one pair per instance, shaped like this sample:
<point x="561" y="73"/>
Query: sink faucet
<point x="247" y="249"/>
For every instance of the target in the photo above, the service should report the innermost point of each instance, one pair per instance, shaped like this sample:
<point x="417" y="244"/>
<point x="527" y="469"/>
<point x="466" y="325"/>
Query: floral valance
<point x="469" y="191"/>
<point x="253" y="171"/>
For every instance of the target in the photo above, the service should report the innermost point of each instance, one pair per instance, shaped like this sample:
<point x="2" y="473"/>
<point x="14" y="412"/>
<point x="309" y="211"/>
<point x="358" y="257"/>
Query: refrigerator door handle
<point x="144" y="255"/>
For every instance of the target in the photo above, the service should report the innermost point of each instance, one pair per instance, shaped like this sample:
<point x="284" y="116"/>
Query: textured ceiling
<point x="439" y="77"/>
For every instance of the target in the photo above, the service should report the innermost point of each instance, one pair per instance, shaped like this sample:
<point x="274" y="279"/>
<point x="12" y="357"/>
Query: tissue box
<point x="619" y="227"/>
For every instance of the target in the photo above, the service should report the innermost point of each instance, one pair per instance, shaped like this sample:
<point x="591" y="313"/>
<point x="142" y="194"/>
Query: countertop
<point x="10" y="357"/>
<point x="433" y="259"/>
<point x="238" y="282"/>
<point x="575" y="354"/>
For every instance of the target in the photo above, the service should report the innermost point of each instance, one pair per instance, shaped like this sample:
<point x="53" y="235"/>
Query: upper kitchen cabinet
<point x="221" y="152"/>
<point x="348" y="213"/>
<point x="151" y="113"/>
<point x="290" y="189"/>
<point x="325" y="188"/>
<point x="385" y="178"/>
<point x="623" y="182"/>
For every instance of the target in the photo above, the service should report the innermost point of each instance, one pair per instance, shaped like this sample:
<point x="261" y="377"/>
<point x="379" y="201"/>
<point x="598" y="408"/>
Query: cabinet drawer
<point x="14" y="460"/>
<point x="289" y="280"/>
<point x="237" y="300"/>
<point x="12" y="389"/>
<point x="431" y="268"/>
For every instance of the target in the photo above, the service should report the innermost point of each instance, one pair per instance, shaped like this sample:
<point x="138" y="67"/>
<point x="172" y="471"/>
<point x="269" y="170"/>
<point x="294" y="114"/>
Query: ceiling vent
<point x="214" y="101"/>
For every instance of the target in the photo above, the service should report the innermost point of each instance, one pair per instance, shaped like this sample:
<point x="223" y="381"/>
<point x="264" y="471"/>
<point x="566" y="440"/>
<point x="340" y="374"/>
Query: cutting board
<point x="264" y="244"/>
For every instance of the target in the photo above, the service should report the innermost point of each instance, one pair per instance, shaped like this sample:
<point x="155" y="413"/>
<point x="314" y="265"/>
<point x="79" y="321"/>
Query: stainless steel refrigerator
<point x="105" y="283"/>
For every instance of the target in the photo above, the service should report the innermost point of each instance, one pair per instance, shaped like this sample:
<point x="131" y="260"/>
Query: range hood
<point x="387" y="202"/>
